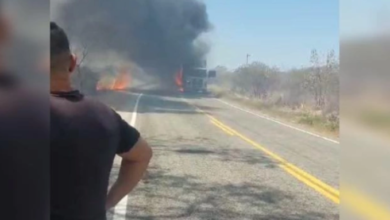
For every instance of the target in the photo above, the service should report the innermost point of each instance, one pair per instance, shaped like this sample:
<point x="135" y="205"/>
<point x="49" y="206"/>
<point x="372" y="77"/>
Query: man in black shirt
<point x="85" y="137"/>
<point x="24" y="147"/>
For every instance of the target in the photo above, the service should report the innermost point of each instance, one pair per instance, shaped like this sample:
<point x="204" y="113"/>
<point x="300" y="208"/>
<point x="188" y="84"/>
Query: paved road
<point x="211" y="169"/>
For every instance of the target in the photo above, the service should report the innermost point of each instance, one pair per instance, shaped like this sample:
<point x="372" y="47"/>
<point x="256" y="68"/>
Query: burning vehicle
<point x="194" y="79"/>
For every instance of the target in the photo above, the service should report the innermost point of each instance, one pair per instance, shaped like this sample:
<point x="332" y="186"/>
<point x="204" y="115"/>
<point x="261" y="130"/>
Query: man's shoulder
<point x="82" y="106"/>
<point x="100" y="107"/>
<point x="87" y="114"/>
<point x="82" y="101"/>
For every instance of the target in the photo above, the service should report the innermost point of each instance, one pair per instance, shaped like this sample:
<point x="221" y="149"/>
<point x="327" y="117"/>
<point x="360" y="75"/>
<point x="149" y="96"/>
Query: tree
<point x="295" y="87"/>
<point x="255" y="80"/>
<point x="316" y="80"/>
<point x="331" y="82"/>
<point x="316" y="87"/>
<point x="223" y="76"/>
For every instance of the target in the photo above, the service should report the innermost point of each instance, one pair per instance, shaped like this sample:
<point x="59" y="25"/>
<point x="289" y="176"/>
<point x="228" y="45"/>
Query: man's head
<point x="62" y="61"/>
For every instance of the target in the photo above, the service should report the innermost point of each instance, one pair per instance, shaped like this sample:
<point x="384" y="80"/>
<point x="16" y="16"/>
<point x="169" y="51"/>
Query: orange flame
<point x="105" y="83"/>
<point x="121" y="82"/>
<point x="179" y="79"/>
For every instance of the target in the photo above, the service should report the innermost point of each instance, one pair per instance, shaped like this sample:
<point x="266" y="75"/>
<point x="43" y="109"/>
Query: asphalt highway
<point x="215" y="160"/>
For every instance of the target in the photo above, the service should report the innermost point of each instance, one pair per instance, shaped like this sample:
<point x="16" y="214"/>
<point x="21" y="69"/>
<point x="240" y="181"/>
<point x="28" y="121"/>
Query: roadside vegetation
<point x="308" y="96"/>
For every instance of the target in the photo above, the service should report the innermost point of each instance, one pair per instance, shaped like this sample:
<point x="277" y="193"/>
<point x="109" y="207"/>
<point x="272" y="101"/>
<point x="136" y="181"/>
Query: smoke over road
<point x="157" y="35"/>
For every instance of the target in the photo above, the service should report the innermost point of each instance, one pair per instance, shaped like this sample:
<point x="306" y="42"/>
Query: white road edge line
<point x="134" y="115"/>
<point x="278" y="122"/>
<point x="121" y="208"/>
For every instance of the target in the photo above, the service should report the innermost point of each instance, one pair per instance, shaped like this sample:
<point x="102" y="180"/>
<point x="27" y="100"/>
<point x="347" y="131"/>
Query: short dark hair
<point x="59" y="42"/>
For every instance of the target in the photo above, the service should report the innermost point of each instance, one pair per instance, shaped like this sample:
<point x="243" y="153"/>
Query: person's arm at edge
<point x="133" y="166"/>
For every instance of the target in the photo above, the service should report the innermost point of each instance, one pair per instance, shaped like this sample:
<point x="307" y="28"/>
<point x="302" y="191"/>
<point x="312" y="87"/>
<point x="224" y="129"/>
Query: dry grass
<point x="303" y="117"/>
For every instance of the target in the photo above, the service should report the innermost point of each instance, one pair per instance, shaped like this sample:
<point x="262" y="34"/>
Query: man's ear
<point x="73" y="63"/>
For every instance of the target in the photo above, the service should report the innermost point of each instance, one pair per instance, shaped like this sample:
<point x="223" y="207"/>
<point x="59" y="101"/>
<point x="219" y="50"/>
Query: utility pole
<point x="247" y="59"/>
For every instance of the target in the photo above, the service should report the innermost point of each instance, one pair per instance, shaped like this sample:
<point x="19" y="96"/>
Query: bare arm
<point x="134" y="165"/>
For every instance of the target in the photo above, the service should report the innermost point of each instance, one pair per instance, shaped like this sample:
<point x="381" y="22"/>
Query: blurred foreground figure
<point x="85" y="137"/>
<point x="24" y="145"/>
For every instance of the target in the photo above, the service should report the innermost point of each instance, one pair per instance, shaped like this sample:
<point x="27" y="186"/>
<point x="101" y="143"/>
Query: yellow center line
<point x="222" y="125"/>
<point x="326" y="187"/>
<point x="313" y="185"/>
<point x="222" y="128"/>
<point x="351" y="198"/>
<point x="316" y="184"/>
<point x="363" y="205"/>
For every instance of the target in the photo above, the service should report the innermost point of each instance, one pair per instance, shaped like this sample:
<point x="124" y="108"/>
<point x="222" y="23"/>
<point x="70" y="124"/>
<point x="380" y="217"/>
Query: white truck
<point x="196" y="79"/>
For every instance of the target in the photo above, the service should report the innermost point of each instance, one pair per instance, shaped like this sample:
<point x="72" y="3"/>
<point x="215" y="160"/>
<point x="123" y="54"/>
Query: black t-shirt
<point x="85" y="136"/>
<point x="24" y="151"/>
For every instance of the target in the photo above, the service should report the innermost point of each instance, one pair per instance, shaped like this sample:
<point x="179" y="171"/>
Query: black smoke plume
<point x="157" y="35"/>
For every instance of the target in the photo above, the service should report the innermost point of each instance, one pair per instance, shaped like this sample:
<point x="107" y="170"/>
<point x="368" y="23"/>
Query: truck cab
<point x="195" y="77"/>
<point x="195" y="80"/>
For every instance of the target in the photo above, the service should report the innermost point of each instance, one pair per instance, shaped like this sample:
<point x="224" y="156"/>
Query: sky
<point x="279" y="32"/>
<point x="364" y="18"/>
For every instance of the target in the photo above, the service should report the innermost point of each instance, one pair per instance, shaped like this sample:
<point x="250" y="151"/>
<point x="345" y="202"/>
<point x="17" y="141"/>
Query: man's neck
<point x="60" y="84"/>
